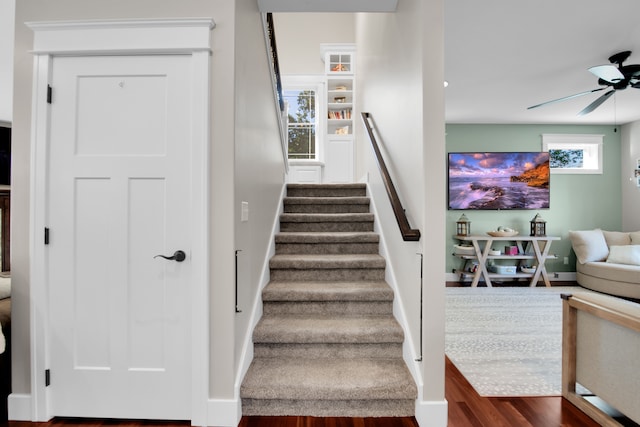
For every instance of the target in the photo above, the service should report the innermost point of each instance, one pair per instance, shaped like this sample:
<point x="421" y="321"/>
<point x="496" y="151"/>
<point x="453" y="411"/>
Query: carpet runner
<point x="328" y="344"/>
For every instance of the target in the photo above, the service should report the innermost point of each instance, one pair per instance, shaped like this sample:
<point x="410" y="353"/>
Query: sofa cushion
<point x="635" y="237"/>
<point x="5" y="287"/>
<point x="610" y="271"/>
<point x="616" y="238"/>
<point x="589" y="245"/>
<point x="625" y="254"/>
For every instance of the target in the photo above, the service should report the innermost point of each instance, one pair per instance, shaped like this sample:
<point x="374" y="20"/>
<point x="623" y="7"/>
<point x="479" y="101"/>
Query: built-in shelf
<point x="341" y="108"/>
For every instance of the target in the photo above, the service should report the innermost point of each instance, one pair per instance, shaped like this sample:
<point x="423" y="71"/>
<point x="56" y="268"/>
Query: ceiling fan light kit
<point x="613" y="77"/>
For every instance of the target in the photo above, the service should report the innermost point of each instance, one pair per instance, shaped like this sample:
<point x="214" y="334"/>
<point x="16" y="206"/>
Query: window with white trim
<point x="304" y="105"/>
<point x="574" y="153"/>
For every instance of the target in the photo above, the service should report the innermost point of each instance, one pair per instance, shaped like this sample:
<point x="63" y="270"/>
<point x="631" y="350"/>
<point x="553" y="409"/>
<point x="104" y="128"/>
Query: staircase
<point x="327" y="344"/>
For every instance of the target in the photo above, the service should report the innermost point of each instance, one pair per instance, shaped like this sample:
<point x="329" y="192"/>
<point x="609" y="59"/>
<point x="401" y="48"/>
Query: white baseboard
<point x="224" y="412"/>
<point x="565" y="276"/>
<point x="220" y="412"/>
<point x="432" y="413"/>
<point x="19" y="406"/>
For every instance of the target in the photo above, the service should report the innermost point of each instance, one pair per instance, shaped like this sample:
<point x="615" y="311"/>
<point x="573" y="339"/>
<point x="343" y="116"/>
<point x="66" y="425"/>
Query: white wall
<point x="630" y="155"/>
<point x="299" y="36"/>
<point x="259" y="165"/>
<point x="7" y="12"/>
<point x="400" y="75"/>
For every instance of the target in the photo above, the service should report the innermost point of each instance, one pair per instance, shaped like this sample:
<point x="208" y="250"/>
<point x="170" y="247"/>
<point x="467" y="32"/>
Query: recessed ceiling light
<point x="446" y="83"/>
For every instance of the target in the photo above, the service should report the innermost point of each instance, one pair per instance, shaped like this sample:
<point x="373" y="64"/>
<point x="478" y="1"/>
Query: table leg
<point x="482" y="263"/>
<point x="541" y="257"/>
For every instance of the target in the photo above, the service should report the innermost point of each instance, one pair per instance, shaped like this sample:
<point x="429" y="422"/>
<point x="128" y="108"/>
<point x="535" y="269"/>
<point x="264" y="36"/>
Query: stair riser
<point x="329" y="351"/>
<point x="326" y="226"/>
<point x="327" y="248"/>
<point x="329" y="408"/>
<point x="335" y="308"/>
<point x="325" y="275"/>
<point x="326" y="208"/>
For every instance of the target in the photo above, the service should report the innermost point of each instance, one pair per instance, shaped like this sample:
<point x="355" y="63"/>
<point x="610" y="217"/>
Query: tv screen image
<point x="499" y="180"/>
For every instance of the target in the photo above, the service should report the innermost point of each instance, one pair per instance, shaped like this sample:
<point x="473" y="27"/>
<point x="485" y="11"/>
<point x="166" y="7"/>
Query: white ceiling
<point x="502" y="56"/>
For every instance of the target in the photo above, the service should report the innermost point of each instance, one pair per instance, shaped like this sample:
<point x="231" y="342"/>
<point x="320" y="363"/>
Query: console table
<point x="533" y="248"/>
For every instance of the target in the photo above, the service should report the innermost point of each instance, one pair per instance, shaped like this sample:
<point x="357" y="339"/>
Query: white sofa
<point x="608" y="261"/>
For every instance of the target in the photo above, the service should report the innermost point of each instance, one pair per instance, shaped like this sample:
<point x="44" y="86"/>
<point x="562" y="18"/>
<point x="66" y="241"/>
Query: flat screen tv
<point x="495" y="181"/>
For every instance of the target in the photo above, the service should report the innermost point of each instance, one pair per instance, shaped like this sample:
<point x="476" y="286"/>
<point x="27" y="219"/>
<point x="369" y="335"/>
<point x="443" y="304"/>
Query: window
<point x="305" y="106"/>
<point x="573" y="154"/>
<point x="301" y="123"/>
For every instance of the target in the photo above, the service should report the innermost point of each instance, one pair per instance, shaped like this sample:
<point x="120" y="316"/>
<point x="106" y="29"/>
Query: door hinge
<point x="47" y="377"/>
<point x="49" y="94"/>
<point x="46" y="235"/>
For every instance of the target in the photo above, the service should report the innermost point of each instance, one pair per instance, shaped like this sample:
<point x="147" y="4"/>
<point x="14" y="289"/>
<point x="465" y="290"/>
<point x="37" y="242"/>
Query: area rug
<point x="507" y="341"/>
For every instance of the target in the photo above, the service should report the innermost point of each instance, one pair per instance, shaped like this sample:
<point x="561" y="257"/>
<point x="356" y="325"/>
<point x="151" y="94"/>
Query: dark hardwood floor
<point x="466" y="409"/>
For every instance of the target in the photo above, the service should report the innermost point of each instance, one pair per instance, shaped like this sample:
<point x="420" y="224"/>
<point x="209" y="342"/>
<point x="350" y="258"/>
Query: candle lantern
<point x="463" y="226"/>
<point x="538" y="226"/>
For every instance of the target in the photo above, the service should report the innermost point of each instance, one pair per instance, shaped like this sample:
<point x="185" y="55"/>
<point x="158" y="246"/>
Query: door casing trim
<point x="125" y="37"/>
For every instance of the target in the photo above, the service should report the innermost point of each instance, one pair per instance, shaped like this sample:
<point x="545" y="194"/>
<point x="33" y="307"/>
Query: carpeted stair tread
<point x="326" y="242"/>
<point x="327" y="237"/>
<point x="351" y="200"/>
<point x="330" y="350"/>
<point x="327" y="291"/>
<point x="326" y="190"/>
<point x="331" y="261"/>
<point x="326" y="217"/>
<point x="328" y="379"/>
<point x="321" y="329"/>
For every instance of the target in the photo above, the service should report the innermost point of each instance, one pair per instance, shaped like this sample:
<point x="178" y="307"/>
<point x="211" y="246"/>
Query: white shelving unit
<point x="534" y="249"/>
<point x="339" y="105"/>
<point x="339" y="63"/>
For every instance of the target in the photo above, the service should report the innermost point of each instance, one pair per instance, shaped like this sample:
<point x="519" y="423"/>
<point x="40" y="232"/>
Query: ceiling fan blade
<point x="595" y="104"/>
<point x="608" y="73"/>
<point x="566" y="97"/>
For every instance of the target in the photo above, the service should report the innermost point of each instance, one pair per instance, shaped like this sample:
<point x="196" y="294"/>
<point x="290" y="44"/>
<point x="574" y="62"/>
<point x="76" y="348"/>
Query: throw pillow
<point x="635" y="237"/>
<point x="626" y="254"/>
<point x="589" y="245"/>
<point x="616" y="238"/>
<point x="5" y="287"/>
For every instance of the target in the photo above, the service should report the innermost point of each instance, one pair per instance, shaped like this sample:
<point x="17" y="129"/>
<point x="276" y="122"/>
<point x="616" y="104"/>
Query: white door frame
<point x="126" y="37"/>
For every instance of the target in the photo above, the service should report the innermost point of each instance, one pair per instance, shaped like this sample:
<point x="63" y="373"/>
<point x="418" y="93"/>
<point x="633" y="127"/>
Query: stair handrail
<point x="408" y="234"/>
<point x="276" y="81"/>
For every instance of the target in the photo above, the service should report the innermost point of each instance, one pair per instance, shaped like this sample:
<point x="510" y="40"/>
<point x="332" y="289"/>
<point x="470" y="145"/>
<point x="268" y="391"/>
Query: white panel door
<point x="119" y="194"/>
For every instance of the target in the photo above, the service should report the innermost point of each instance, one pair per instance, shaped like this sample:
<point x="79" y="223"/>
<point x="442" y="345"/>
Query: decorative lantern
<point x="463" y="226"/>
<point x="538" y="226"/>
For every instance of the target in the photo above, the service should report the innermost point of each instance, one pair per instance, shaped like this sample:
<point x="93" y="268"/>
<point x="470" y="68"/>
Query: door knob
<point x="177" y="256"/>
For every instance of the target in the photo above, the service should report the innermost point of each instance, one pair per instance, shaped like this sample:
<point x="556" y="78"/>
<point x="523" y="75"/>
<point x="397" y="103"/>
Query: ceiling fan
<point x="612" y="77"/>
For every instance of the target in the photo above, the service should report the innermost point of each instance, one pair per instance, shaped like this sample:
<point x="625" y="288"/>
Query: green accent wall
<point x="578" y="202"/>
